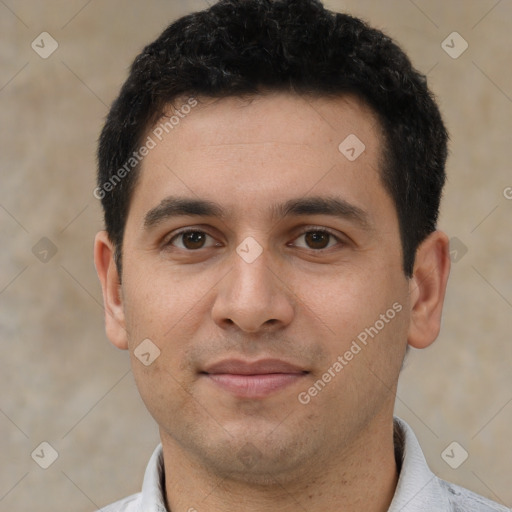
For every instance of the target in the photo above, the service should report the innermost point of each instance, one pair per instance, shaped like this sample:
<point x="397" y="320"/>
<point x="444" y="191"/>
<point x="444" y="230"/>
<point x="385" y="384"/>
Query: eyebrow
<point x="333" y="206"/>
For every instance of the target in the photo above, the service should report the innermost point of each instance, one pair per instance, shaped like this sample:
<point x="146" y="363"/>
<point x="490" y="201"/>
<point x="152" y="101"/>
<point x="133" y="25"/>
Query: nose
<point x="253" y="297"/>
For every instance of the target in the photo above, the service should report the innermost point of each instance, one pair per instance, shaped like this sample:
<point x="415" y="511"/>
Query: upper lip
<point x="260" y="367"/>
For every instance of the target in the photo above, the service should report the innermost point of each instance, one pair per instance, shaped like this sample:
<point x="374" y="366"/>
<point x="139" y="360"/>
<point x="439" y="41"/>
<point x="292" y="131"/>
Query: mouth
<point x="257" y="379"/>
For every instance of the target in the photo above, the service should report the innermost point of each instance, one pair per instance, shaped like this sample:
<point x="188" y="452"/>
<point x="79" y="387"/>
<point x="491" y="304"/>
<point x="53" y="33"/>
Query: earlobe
<point x="427" y="289"/>
<point x="111" y="287"/>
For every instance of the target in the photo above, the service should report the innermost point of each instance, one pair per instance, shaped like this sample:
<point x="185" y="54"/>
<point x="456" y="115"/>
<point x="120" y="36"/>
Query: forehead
<point x="246" y="152"/>
<point x="309" y="119"/>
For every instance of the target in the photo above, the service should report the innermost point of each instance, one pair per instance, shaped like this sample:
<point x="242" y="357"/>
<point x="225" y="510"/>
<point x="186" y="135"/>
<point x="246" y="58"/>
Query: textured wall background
<point x="61" y="380"/>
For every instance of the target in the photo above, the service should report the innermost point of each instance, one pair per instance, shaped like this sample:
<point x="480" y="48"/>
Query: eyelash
<point x="309" y="229"/>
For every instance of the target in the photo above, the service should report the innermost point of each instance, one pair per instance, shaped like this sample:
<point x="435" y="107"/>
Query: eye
<point x="318" y="239"/>
<point x="191" y="239"/>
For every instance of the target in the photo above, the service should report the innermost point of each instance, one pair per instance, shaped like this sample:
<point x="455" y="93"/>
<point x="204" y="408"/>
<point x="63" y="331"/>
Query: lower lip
<point x="254" y="386"/>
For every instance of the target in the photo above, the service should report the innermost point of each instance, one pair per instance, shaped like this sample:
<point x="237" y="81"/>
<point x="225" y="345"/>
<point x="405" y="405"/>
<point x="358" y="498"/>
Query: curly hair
<point x="246" y="47"/>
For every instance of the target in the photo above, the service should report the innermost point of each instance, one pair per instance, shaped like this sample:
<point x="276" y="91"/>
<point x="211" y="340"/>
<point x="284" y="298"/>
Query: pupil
<point x="315" y="237"/>
<point x="195" y="238"/>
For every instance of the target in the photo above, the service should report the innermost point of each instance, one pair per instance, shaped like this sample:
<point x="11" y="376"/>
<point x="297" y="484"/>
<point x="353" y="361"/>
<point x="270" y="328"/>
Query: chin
<point x="255" y="459"/>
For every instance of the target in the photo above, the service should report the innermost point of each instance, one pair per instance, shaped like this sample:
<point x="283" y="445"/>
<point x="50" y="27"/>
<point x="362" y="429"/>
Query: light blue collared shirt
<point x="418" y="489"/>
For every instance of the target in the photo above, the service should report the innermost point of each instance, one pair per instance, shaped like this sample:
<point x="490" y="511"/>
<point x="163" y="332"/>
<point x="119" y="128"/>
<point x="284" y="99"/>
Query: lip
<point x="260" y="367"/>
<point x="256" y="379"/>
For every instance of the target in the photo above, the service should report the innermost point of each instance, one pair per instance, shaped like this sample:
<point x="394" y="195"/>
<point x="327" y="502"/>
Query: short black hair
<point x="246" y="47"/>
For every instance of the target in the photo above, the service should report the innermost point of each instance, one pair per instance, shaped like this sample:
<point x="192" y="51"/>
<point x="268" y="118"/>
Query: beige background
<point x="61" y="380"/>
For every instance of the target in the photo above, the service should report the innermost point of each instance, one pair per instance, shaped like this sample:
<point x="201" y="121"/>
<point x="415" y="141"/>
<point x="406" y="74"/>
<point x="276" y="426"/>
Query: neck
<point x="363" y="477"/>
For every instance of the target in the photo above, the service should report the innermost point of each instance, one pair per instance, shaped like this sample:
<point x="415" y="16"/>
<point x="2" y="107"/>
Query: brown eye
<point x="318" y="239"/>
<point x="193" y="240"/>
<point x="190" y="240"/>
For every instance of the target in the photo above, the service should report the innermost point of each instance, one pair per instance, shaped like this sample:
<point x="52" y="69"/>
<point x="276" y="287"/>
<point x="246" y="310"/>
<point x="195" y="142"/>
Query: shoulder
<point x="464" y="500"/>
<point x="129" y="504"/>
<point x="419" y="490"/>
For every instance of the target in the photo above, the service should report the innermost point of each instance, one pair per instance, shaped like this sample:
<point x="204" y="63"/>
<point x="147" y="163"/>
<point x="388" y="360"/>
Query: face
<point x="262" y="260"/>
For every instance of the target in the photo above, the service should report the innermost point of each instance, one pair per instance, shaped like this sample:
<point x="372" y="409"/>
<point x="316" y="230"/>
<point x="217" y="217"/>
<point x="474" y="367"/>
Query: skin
<point x="294" y="302"/>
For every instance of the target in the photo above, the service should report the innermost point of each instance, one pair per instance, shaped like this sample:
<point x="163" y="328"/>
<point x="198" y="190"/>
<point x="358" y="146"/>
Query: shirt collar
<point x="417" y="489"/>
<point x="153" y="487"/>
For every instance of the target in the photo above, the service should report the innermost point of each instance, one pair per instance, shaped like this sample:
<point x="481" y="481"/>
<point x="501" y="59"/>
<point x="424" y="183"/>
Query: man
<point x="271" y="176"/>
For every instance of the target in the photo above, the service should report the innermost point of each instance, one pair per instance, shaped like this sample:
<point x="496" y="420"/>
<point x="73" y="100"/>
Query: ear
<point x="112" y="293"/>
<point x="427" y="289"/>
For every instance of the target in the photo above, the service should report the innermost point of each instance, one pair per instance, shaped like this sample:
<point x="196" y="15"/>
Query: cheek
<point x="363" y="318"/>
<point x="168" y="311"/>
<point x="158" y="302"/>
<point x="163" y="309"/>
<point x="164" y="392"/>
<point x="344" y="302"/>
